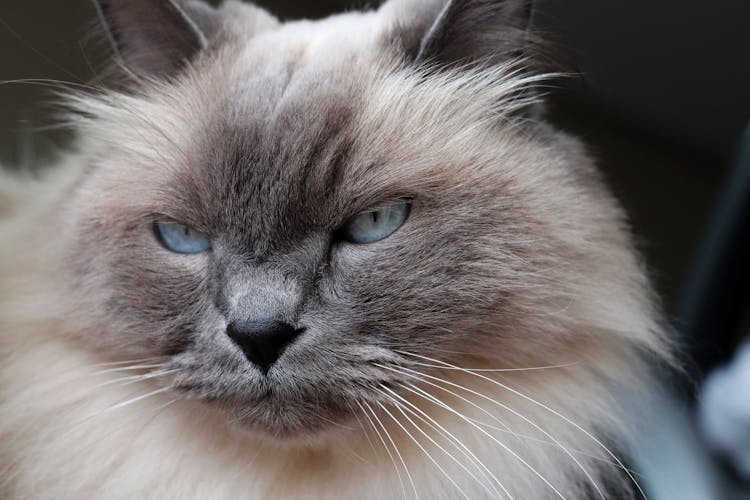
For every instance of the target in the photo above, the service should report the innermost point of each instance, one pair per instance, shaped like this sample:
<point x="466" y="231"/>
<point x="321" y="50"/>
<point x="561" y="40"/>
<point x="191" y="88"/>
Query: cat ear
<point x="476" y="31"/>
<point x="156" y="37"/>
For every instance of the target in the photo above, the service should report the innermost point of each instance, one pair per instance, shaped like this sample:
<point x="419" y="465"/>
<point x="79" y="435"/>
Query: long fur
<point x="86" y="411"/>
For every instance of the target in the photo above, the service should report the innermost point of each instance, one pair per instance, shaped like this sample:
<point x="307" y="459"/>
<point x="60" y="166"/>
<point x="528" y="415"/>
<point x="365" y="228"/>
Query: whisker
<point x="128" y="362"/>
<point x="503" y="445"/>
<point x="38" y="52"/>
<point x="59" y="374"/>
<point x="158" y="409"/>
<point x="423" y="450"/>
<point x="134" y="400"/>
<point x="550" y="443"/>
<point x="456" y="442"/>
<point x="50" y="82"/>
<point x="422" y="377"/>
<point x="131" y="379"/>
<point x="128" y="368"/>
<point x="362" y="427"/>
<point x="547" y="408"/>
<point x="334" y="423"/>
<point x="125" y="380"/>
<point x="118" y="406"/>
<point x="387" y="449"/>
<point x="514" y="412"/>
<point x="395" y="448"/>
<point x="533" y="368"/>
<point x="401" y="409"/>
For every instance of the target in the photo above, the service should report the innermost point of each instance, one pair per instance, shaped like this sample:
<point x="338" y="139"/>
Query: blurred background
<point x="662" y="100"/>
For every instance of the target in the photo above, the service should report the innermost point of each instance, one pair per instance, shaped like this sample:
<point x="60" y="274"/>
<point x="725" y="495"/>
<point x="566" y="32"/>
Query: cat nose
<point x="262" y="341"/>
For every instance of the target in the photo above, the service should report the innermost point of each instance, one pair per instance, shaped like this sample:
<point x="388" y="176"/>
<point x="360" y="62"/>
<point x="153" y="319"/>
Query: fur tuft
<point x="476" y="352"/>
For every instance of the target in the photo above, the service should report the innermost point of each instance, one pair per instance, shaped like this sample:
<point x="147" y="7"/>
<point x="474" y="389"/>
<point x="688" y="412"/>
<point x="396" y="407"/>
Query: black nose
<point x="264" y="341"/>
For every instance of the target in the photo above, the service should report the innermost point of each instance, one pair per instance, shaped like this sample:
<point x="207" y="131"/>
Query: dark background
<point x="662" y="100"/>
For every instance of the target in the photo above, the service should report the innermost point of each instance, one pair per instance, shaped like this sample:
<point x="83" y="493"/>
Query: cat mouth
<point x="291" y="401"/>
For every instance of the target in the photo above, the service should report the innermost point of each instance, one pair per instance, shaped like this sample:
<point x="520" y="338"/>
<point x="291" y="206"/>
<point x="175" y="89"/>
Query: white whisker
<point x="129" y="368"/>
<point x="400" y="407"/>
<point x="131" y="379"/>
<point x="118" y="406"/>
<point x="128" y="362"/>
<point x="362" y="427"/>
<point x="503" y="445"/>
<point x="547" y="408"/>
<point x="427" y="454"/>
<point x="513" y="411"/>
<point x="456" y="442"/>
<point x="550" y="443"/>
<point x="533" y="368"/>
<point x="387" y="449"/>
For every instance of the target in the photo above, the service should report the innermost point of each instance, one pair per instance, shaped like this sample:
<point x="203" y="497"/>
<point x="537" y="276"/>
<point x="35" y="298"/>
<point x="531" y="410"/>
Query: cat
<point x="345" y="258"/>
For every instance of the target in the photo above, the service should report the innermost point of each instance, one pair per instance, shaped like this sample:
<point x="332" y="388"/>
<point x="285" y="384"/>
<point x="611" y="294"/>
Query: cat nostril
<point x="264" y="341"/>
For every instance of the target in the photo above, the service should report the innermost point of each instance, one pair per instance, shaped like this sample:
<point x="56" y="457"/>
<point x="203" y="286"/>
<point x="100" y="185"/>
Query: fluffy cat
<point x="332" y="259"/>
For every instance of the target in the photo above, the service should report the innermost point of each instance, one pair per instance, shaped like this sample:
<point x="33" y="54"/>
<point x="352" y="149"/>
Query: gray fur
<point x="268" y="141"/>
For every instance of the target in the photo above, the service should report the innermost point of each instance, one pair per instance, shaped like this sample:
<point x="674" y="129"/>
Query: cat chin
<point x="280" y="426"/>
<point x="284" y="435"/>
<point x="283" y="422"/>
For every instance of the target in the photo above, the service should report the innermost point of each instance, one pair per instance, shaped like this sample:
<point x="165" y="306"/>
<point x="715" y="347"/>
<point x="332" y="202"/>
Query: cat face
<point x="288" y="213"/>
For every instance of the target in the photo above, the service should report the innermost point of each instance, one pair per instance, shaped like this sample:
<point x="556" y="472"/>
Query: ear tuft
<point x="153" y="37"/>
<point x="477" y="31"/>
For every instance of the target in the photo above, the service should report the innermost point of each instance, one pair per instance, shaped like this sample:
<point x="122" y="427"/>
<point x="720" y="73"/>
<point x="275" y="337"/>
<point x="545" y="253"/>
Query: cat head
<point x="296" y="216"/>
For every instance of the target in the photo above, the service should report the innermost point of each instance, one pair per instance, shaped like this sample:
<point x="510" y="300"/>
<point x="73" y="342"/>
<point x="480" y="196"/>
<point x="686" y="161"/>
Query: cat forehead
<point x="299" y="114"/>
<point x="294" y="72"/>
<point x="280" y="132"/>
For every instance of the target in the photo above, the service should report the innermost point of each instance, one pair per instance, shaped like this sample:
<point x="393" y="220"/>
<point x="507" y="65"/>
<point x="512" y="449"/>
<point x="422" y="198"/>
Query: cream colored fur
<point x="66" y="432"/>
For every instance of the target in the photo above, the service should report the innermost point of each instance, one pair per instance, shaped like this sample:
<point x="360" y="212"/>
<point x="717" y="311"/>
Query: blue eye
<point x="181" y="239"/>
<point x="376" y="225"/>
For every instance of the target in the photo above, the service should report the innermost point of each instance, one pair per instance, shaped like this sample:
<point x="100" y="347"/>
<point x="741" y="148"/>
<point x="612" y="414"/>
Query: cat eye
<point x="181" y="239"/>
<point x="375" y="225"/>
